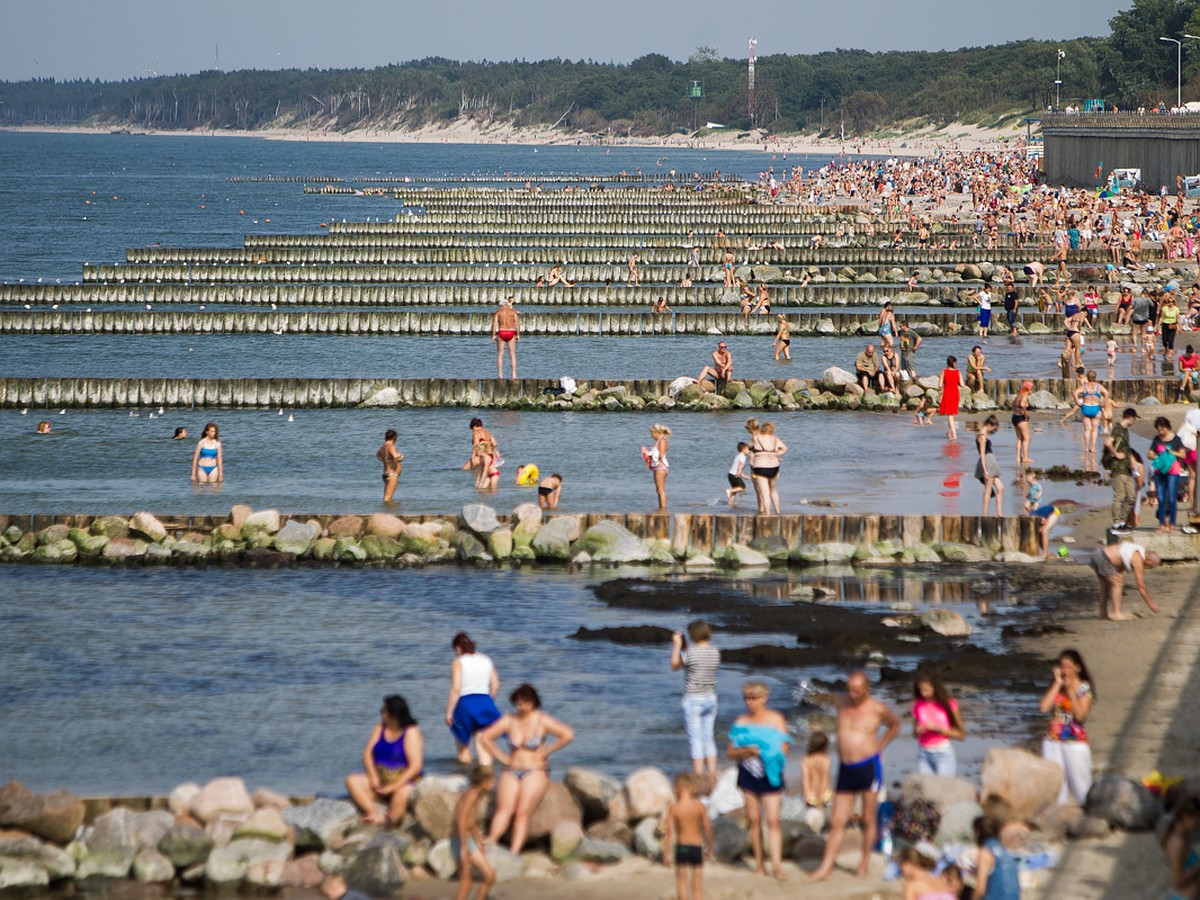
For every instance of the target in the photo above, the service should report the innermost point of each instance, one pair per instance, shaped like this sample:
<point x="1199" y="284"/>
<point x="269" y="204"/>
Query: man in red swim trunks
<point x="506" y="331"/>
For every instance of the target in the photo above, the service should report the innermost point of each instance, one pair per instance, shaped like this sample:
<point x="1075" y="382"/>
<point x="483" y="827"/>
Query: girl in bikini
<point x="1090" y="397"/>
<point x="208" y="464"/>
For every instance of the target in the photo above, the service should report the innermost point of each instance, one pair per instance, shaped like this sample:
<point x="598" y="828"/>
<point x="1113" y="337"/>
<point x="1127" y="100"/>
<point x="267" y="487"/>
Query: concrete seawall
<point x="317" y="393"/>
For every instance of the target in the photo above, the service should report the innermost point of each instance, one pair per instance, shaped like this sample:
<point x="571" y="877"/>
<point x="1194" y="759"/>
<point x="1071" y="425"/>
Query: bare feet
<point x="863" y="868"/>
<point x="819" y="875"/>
<point x="779" y="876"/>
<point x="1119" y="617"/>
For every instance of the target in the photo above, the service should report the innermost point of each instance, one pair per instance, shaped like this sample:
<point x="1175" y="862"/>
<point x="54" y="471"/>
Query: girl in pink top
<point x="936" y="722"/>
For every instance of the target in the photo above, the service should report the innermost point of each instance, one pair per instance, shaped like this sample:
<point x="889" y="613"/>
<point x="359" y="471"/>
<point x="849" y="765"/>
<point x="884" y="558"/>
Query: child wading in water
<point x="688" y="823"/>
<point x="737" y="484"/>
<point x="467" y="845"/>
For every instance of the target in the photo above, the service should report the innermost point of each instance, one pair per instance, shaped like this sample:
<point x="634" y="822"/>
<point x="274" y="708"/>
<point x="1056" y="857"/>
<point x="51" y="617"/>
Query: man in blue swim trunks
<point x="860" y="768"/>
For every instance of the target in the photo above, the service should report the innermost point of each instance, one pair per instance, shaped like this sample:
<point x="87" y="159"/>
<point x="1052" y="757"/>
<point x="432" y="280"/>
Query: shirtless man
<point x="860" y="768"/>
<point x="1110" y="563"/>
<point x="506" y="331"/>
<point x="722" y="368"/>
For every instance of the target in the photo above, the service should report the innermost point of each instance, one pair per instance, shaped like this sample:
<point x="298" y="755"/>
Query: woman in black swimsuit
<point x="1020" y="421"/>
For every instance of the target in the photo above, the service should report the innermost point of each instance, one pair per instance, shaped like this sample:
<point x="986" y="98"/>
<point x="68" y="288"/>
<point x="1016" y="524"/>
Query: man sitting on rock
<point x="722" y="368"/>
<point x="866" y="369"/>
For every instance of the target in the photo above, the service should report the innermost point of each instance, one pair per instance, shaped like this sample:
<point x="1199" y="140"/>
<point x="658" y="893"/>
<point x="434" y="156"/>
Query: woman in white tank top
<point x="471" y="706"/>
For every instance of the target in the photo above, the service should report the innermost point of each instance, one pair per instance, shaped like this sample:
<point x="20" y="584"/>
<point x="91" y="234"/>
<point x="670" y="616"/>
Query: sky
<point x="118" y="39"/>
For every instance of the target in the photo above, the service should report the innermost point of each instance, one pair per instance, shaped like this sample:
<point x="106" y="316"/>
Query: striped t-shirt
<point x="700" y="669"/>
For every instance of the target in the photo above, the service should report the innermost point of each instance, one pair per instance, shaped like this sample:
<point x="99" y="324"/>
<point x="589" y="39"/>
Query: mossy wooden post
<point x="681" y="535"/>
<point x="724" y="531"/>
<point x="931" y="530"/>
<point x="658" y="526"/>
<point x="910" y="530"/>
<point x="703" y="532"/>
<point x="746" y="528"/>
<point x="790" y="529"/>
<point x="1010" y="534"/>
<point x="811" y="529"/>
<point x="991" y="533"/>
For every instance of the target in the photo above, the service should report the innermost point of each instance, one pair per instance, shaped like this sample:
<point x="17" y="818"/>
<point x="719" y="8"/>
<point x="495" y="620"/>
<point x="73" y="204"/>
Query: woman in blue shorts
<point x="471" y="706"/>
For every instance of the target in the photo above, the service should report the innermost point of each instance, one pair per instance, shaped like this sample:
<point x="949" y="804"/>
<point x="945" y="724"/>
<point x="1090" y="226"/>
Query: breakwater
<point x="532" y="394"/>
<point x="479" y="535"/>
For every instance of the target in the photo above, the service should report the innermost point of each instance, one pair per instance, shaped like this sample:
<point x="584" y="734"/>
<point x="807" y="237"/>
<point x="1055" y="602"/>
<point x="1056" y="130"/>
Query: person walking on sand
<point x="987" y="470"/>
<point x="1116" y="458"/>
<point x="467" y="843"/>
<point x="860" y="768"/>
<point x="1020" y="422"/>
<point x="948" y="388"/>
<point x="759" y="744"/>
<point x="506" y="331"/>
<point x="393" y="464"/>
<point x="208" y="462"/>
<point x="688" y="839"/>
<point x="1110" y="563"/>
<point x="656" y="459"/>
<point x="699" y="663"/>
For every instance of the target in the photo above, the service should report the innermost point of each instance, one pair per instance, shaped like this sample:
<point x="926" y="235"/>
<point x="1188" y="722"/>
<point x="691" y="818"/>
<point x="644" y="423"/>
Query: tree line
<point x="852" y="90"/>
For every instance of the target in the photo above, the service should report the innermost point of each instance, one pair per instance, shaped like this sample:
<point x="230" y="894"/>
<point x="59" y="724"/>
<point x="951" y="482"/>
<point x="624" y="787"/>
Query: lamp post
<point x="1178" y="69"/>
<point x="1058" y="80"/>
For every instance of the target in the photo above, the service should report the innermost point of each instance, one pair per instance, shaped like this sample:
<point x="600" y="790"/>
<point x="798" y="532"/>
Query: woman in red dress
<point x="948" y="383"/>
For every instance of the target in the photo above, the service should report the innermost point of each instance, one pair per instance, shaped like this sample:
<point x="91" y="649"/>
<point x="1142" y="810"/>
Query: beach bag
<point x="1164" y="462"/>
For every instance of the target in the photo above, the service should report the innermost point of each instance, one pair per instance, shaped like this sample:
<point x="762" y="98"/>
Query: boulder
<point x="941" y="791"/>
<point x="303" y="872"/>
<point x="296" y="537"/>
<point x="265" y="797"/>
<point x="378" y="870"/>
<point x="441" y="860"/>
<point x="1123" y="803"/>
<point x="384" y="525"/>
<point x="53" y="534"/>
<point x="419" y="539"/>
<point x="730" y="840"/>
<point x="557" y="806"/>
<point x="527" y="512"/>
<point x="346" y="526"/>
<point x="963" y="553"/>
<point x="817" y="554"/>
<point x="834" y="378"/>
<point x="739" y="556"/>
<point x="553" y="540"/>
<point x="434" y="812"/>
<point x="592" y="790"/>
<point x="55" y="816"/>
<point x="123" y="549"/>
<point x="524" y="533"/>
<point x="945" y="622"/>
<point x="506" y="864"/>
<point x="646" y="839"/>
<point x="21" y="874"/>
<point x="266" y="824"/>
<point x="1057" y="823"/>
<point x="609" y="542"/>
<point x="614" y="828"/>
<point x="320" y="823"/>
<point x="110" y="526"/>
<point x="648" y="792"/>
<point x="150" y="827"/>
<point x="185" y="845"/>
<point x="180" y="800"/>
<point x="239" y="514"/>
<point x="479" y="518"/>
<point x="222" y="797"/>
<point x="148" y="526"/>
<point x="1026" y="782"/>
<point x="55" y="861"/>
<point x="594" y="851"/>
<point x="1041" y="399"/>
<point x="500" y="543"/>
<point x="699" y="562"/>
<point x="265" y="520"/>
<point x="109" y="846"/>
<point x="957" y="824"/>
<point x="150" y="866"/>
<point x="564" y="838"/>
<point x="469" y="548"/>
<point x="259" y="862"/>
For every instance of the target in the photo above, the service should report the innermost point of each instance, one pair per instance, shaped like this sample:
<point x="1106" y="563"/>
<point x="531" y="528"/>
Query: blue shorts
<point x="1045" y="512"/>
<point x="985" y="318"/>
<point x="757" y="784"/>
<point x="473" y="713"/>
<point x="859" y="777"/>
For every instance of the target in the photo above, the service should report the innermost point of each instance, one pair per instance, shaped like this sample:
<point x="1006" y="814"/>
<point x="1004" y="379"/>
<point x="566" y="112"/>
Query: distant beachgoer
<point x="393" y="762"/>
<point x="527" y="475"/>
<point x="721" y="369"/>
<point x="471" y="706"/>
<point x="656" y="459"/>
<point x="1068" y="700"/>
<point x="987" y="470"/>
<point x="660" y="307"/>
<point x="689" y="837"/>
<point x="208" y="466"/>
<point x="768" y="452"/>
<point x="1168" y="457"/>
<point x="479" y="434"/>
<point x="486" y="461"/>
<point x="393" y="464"/>
<point x="860" y="768"/>
<point x="526" y="776"/>
<point x="737" y="483"/>
<point x="759" y="744"/>
<point x="976" y="366"/>
<point x="910" y="342"/>
<point x="948" y="385"/>
<point x="783" y="339"/>
<point x="506" y="332"/>
<point x="984" y="298"/>
<point x="1090" y="397"/>
<point x="180" y="434"/>
<point x="887" y="324"/>
<point x="556" y="276"/>
<point x="634" y="278"/>
<point x="549" y="491"/>
<point x="1117" y="459"/>
<point x="936" y="723"/>
<point x="43" y="427"/>
<point x="699" y="663"/>
<point x="1110" y="563"/>
<point x="467" y="843"/>
<point x="866" y="370"/>
<point x="1020" y="422"/>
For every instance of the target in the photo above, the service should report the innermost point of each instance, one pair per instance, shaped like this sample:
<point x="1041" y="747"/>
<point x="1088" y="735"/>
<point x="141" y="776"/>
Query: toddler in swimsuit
<point x="688" y="823"/>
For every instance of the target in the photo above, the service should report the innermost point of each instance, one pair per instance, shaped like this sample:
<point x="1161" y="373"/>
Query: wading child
<point x="467" y="845"/>
<point x="923" y="414"/>
<point x="688" y="825"/>
<point x="737" y="484"/>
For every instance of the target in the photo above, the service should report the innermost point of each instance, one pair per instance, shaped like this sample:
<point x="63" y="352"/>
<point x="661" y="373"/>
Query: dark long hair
<point x="1084" y="674"/>
<point x="462" y="643"/>
<point x="397" y="708"/>
<point x="941" y="696"/>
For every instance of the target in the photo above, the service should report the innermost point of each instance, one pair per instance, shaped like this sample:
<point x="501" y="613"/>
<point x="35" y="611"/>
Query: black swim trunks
<point x="856" y="778"/>
<point x="689" y="855"/>
<point x="767" y="473"/>
<point x="736" y="481"/>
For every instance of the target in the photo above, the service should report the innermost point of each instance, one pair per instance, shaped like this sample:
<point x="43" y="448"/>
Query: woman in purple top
<point x="393" y="761"/>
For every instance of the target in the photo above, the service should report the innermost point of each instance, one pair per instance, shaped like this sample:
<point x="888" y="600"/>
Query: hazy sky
<point x="113" y="39"/>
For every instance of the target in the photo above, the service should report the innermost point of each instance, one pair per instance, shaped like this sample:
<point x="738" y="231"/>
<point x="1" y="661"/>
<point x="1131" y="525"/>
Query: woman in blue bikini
<point x="1090" y="397"/>
<point x="527" y="774"/>
<point x="207" y="463"/>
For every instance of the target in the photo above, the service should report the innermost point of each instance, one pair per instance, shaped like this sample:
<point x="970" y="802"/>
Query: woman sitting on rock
<point x="393" y="761"/>
<point x="527" y="774"/>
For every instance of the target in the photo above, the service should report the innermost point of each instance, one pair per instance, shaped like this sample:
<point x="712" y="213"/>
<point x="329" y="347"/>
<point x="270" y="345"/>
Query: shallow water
<point x="132" y="681"/>
<point x="106" y="461"/>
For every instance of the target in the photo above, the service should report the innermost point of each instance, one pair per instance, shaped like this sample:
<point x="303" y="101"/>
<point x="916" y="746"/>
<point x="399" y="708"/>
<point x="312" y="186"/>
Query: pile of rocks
<point x="221" y="836"/>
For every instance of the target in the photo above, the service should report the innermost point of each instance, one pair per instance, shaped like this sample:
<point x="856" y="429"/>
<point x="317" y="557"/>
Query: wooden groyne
<point x="525" y="393"/>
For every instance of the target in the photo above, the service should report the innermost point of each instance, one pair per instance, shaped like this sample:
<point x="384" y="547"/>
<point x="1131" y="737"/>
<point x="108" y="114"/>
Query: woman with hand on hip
<point x="471" y="706"/>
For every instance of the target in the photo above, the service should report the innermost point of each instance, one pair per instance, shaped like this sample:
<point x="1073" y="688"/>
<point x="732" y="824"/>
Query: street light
<point x="1178" y="69"/>
<point x="1058" y="79"/>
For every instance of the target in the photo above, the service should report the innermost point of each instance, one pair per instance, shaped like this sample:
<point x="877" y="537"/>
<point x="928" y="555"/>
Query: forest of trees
<point x="650" y="96"/>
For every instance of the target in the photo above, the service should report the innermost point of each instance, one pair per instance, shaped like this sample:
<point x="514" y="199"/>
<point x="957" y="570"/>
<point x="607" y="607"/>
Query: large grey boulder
<point x="378" y="869"/>
<point x="942" y="791"/>
<point x="592" y="850"/>
<point x="647" y="841"/>
<point x="260" y="862"/>
<point x="320" y="823"/>
<point x="648" y="793"/>
<point x="835" y="377"/>
<point x="150" y="827"/>
<point x="1026" y="782"/>
<point x="151" y="867"/>
<point x="109" y="846"/>
<point x="946" y="622"/>
<point x="225" y="796"/>
<point x="479" y="518"/>
<point x="610" y="542"/>
<point x="148" y="526"/>
<point x="22" y="874"/>
<point x="730" y="840"/>
<point x="1123" y="803"/>
<point x="55" y="861"/>
<point x="739" y="556"/>
<point x="296" y="538"/>
<point x="592" y="790"/>
<point x="185" y="845"/>
<point x="553" y="540"/>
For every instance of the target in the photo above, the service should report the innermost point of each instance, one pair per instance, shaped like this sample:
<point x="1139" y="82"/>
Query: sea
<point x="130" y="681"/>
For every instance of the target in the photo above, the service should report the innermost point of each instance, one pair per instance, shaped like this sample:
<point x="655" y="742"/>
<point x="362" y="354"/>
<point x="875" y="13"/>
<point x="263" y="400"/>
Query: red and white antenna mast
<point x="750" y="80"/>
